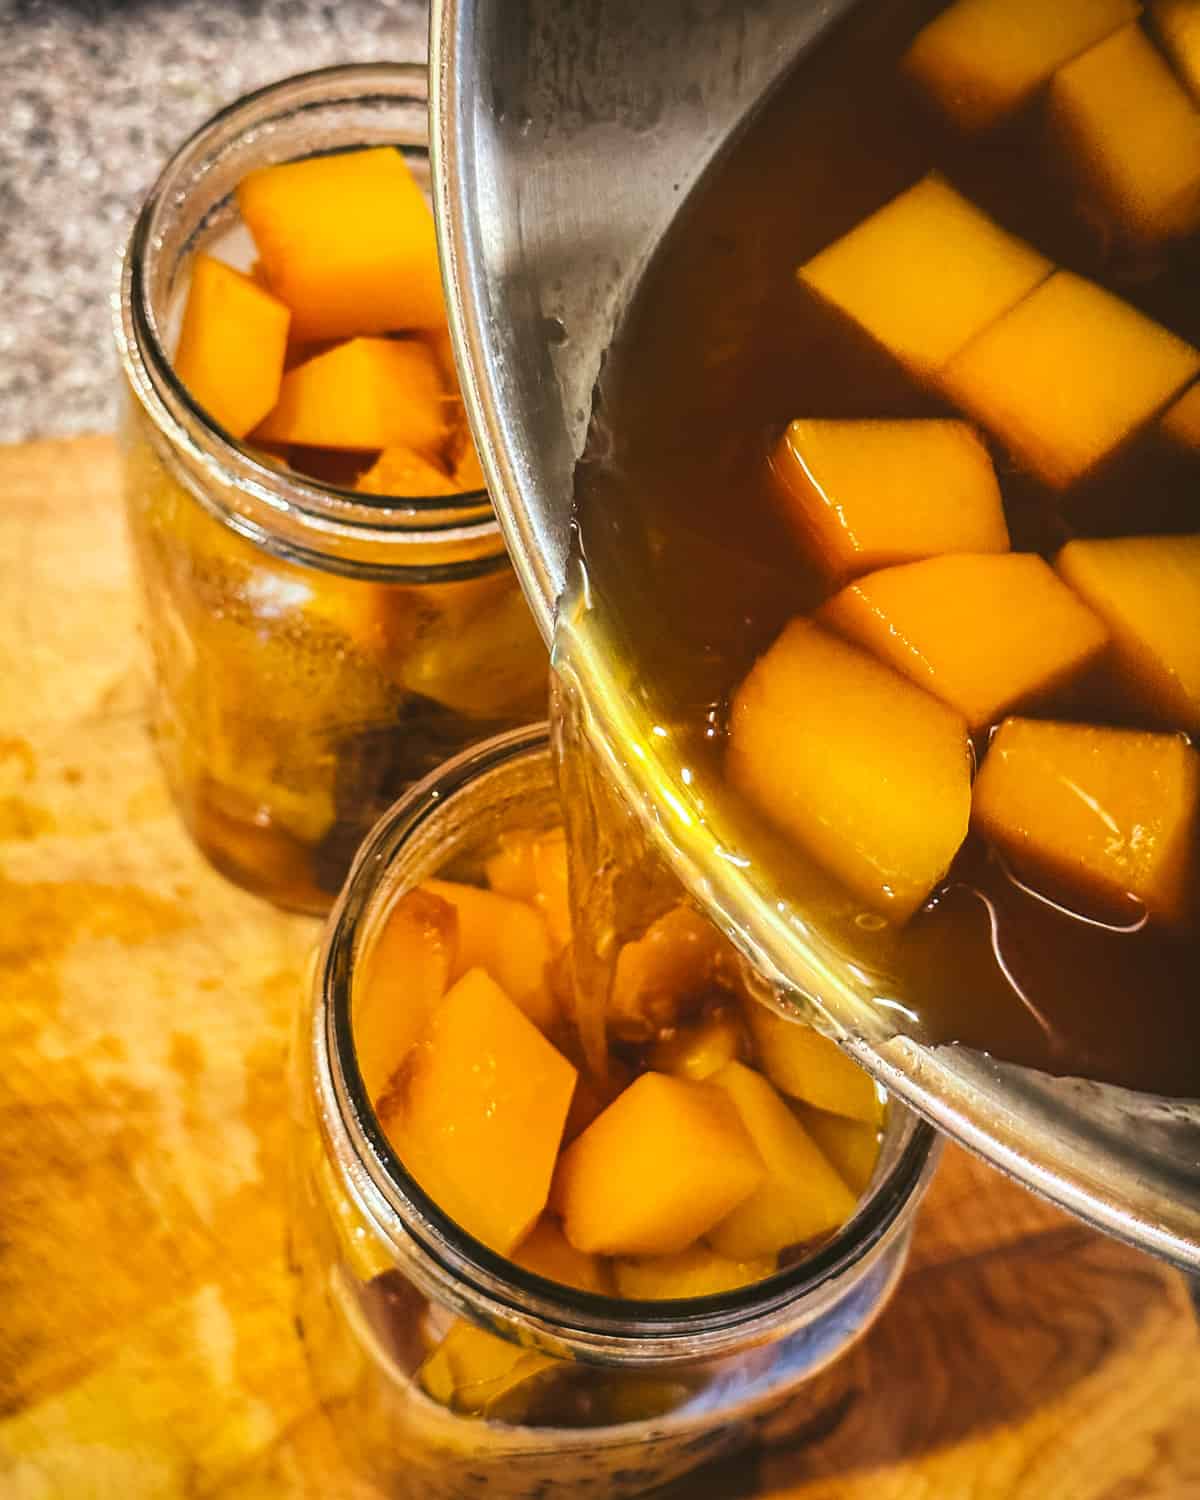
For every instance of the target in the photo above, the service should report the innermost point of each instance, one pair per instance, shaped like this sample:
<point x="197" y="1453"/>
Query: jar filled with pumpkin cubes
<point x="519" y="1270"/>
<point x="329" y="605"/>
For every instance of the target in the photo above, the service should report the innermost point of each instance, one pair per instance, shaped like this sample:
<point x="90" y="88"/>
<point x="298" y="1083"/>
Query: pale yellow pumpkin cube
<point x="809" y="1067"/>
<point x="1176" y="23"/>
<point x="867" y="773"/>
<point x="476" y="1112"/>
<point x="508" y="939"/>
<point x="980" y="60"/>
<point x="983" y="633"/>
<point x="1103" y="818"/>
<point x="801" y="1198"/>
<point x="698" y="1272"/>
<point x="666" y="1161"/>
<point x="852" y="1146"/>
<point x="862" y="495"/>
<point x="699" y="1049"/>
<point x="1146" y="589"/>
<point x="1131" y="137"/>
<point x="404" y="975"/>
<point x="1067" y="375"/>
<point x="925" y="273"/>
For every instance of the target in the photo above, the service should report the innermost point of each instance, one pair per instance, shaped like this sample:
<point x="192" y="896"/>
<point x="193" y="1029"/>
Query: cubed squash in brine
<point x="547" y="1252"/>
<point x="809" y="1067"/>
<point x="925" y="273"/>
<point x="1181" y="420"/>
<point x="231" y="346"/>
<point x="983" y="633"/>
<point x="506" y="938"/>
<point x="1065" y="377"/>
<point x="347" y="241"/>
<point x="364" y="394"/>
<point x="474" y="1371"/>
<point x="852" y="1146"/>
<point x="405" y="472"/>
<point x="1146" y="589"/>
<point x="1130" y="136"/>
<point x="1106" y="816"/>
<point x="476" y="1112"/>
<point x="979" y="60"/>
<point x="866" y="494"/>
<point x="697" y="1050"/>
<point x="801" y="1198"/>
<point x="666" y="1161"/>
<point x="533" y="867"/>
<point x="660" y="975"/>
<point x="869" y="774"/>
<point x="1176" y="23"/>
<point x="698" y="1272"/>
<point x="484" y="662"/>
<point x="405" y="974"/>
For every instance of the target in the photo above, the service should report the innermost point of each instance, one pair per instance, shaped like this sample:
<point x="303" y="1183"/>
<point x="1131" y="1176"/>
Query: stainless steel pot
<point x="564" y="137"/>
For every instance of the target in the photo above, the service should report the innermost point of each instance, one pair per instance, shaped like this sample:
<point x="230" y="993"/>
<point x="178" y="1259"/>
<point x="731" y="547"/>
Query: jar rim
<point x="465" y="516"/>
<point x="587" y="1321"/>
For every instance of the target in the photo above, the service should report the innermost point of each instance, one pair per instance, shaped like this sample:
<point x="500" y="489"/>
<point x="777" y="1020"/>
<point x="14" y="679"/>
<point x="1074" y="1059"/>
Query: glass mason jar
<point x="315" y="649"/>
<point x="571" y="1391"/>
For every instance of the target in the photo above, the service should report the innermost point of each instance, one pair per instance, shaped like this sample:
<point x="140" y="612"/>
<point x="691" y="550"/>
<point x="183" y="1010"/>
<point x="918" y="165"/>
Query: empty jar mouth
<point x="326" y="111"/>
<point x="451" y="815"/>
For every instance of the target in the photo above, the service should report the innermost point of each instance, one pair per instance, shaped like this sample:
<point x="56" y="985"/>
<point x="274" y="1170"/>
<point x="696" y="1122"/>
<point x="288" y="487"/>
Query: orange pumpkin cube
<point x="476" y="1112"/>
<point x="979" y="60"/>
<point x="925" y="273"/>
<point x="659" y="976"/>
<point x="1105" y="815"/>
<point x="869" y="774"/>
<point x="403" y="472"/>
<point x="1146" y="589"/>
<point x="698" y="1272"/>
<point x="666" y="1161"/>
<point x="507" y="939"/>
<point x="404" y="976"/>
<point x="367" y="393"/>
<point x="1068" y="375"/>
<point x="862" y="495"/>
<point x="1131" y="136"/>
<point x="851" y="1146"/>
<point x="231" y="346"/>
<point x="808" y="1066"/>
<point x="547" y="1252"/>
<point x="699" y="1050"/>
<point x="533" y="868"/>
<point x="983" y="633"/>
<point x="347" y="241"/>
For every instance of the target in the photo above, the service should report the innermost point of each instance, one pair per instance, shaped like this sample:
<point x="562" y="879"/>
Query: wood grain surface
<point x="147" y="1348"/>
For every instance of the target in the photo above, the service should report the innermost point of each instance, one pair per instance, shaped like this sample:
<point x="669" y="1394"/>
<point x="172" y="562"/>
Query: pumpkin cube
<point x="533" y="868"/>
<point x="663" y="974"/>
<point x="1181" y="421"/>
<point x="697" y="1051"/>
<point x="1100" y="816"/>
<point x="666" y="1161"/>
<point x="867" y="773"/>
<point x="547" y="1252"/>
<point x="925" y="273"/>
<point x="1065" y="377"/>
<point x="347" y="241"/>
<point x="1177" y="26"/>
<point x="1146" y="589"/>
<point x="982" y="633"/>
<point x="808" y="1066"/>
<point x="979" y="60"/>
<point x="1131" y="136"/>
<point x="405" y="974"/>
<point x="231" y="345"/>
<point x="801" y="1197"/>
<point x="507" y="939"/>
<point x="366" y="393"/>
<point x="863" y="495"/>
<point x="407" y="473"/>
<point x="476" y="1112"/>
<point x="475" y="1372"/>
<point x="485" y="662"/>
<point x="698" y="1272"/>
<point x="851" y="1146"/>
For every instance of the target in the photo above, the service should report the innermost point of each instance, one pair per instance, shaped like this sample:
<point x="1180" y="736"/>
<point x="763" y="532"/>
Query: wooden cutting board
<point x="147" y="1347"/>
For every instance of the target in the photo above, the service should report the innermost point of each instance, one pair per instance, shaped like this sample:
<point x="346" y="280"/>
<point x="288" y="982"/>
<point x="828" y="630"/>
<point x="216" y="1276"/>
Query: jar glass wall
<point x="449" y="1370"/>
<point x="315" y="649"/>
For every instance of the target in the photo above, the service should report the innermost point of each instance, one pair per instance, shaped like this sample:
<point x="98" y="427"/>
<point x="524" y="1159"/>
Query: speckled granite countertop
<point x="97" y="93"/>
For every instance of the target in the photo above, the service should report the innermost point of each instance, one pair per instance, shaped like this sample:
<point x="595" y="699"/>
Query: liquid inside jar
<point x="760" y="322"/>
